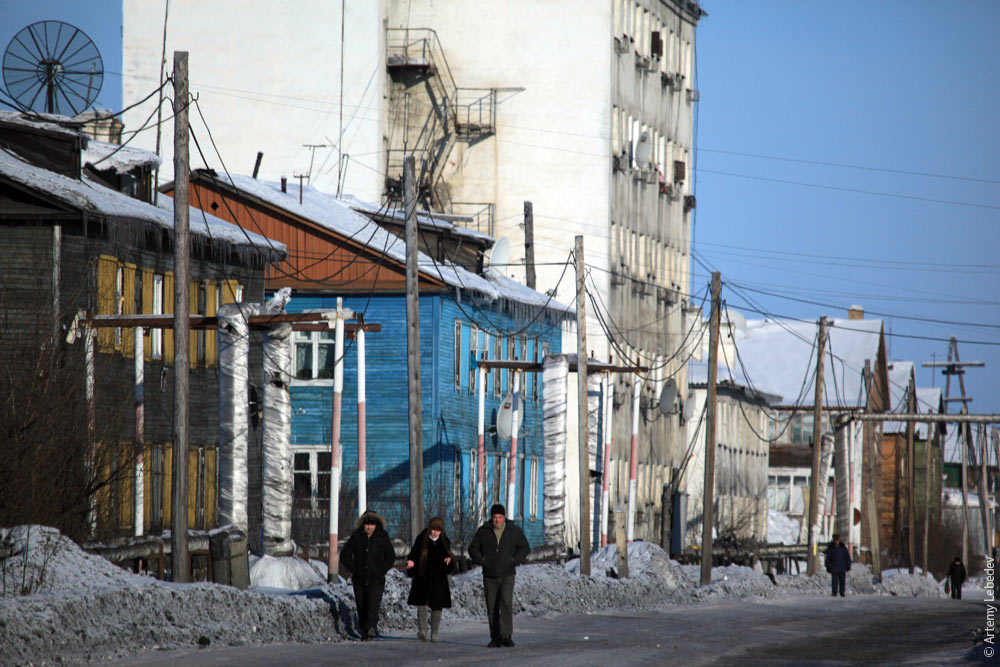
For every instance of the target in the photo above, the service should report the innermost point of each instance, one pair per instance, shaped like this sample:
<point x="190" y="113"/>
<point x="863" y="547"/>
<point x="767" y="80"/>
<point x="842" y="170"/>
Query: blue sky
<point x="847" y="153"/>
<point x="906" y="94"/>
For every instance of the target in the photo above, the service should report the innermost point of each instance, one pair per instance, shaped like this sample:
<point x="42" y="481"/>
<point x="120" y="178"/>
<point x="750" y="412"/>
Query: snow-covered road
<point x="82" y="609"/>
<point x="814" y="630"/>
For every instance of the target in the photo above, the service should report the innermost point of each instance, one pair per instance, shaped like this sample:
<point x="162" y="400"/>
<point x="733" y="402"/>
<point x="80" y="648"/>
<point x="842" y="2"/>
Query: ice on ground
<point x="782" y="529"/>
<point x="82" y="608"/>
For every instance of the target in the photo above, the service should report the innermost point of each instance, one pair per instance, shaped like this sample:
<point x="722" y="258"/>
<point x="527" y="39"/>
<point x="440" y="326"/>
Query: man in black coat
<point x="368" y="555"/>
<point x="838" y="563"/>
<point x="957" y="576"/>
<point x="499" y="546"/>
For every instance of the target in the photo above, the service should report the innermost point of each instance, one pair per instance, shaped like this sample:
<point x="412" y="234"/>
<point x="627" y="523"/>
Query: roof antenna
<point x="256" y="166"/>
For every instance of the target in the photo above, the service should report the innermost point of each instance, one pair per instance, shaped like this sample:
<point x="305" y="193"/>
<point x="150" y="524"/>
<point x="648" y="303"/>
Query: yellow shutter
<point x="229" y="288"/>
<point x="193" y="333"/>
<point x="126" y="475"/>
<point x="107" y="267"/>
<point x="168" y="309"/>
<point x="192" y="501"/>
<point x="168" y="481"/>
<point x="211" y="340"/>
<point x="211" y="490"/>
<point x="147" y="480"/>
<point x="147" y="308"/>
<point x="128" y="308"/>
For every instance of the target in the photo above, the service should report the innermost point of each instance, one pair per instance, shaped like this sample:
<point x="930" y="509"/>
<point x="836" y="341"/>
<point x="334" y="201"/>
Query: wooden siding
<point x="26" y="313"/>
<point x="449" y="414"/>
<point x="316" y="256"/>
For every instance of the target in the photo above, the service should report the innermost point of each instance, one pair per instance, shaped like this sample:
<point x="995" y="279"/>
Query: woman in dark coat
<point x="429" y="563"/>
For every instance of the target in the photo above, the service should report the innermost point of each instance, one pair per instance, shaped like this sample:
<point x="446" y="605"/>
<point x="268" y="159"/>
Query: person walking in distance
<point x="499" y="546"/>
<point x="957" y="577"/>
<point x="838" y="564"/>
<point x="368" y="556"/>
<point x="429" y="564"/>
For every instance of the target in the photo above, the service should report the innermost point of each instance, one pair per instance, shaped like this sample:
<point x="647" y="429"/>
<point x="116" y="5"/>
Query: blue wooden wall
<point x="449" y="412"/>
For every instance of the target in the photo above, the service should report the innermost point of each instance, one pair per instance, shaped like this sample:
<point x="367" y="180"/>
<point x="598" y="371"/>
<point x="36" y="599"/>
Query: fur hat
<point x="436" y="523"/>
<point x="498" y="509"/>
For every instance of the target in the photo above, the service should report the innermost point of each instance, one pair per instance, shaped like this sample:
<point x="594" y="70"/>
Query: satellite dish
<point x="499" y="256"/>
<point x="689" y="407"/>
<point x="668" y="396"/>
<point x="643" y="150"/>
<point x="53" y="67"/>
<point x="505" y="417"/>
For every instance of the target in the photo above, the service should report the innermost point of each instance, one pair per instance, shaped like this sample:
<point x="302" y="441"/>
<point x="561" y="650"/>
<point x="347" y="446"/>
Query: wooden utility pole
<point x="911" y="519"/>
<point x="871" y="507"/>
<point x="180" y="561"/>
<point x="931" y="431"/>
<point x="583" y="430"/>
<point x="814" y="484"/>
<point x="413" y="352"/>
<point x="984" y="493"/>
<point x="529" y="246"/>
<point x="708" y="500"/>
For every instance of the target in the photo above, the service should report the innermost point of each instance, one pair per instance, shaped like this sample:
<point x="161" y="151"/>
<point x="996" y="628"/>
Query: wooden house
<point x="338" y="248"/>
<point x="71" y="245"/>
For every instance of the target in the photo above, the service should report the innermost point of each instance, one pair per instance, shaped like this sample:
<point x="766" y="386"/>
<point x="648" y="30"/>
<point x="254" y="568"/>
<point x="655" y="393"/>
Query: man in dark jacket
<point x="499" y="546"/>
<point x="957" y="576"/>
<point x="838" y="563"/>
<point x="368" y="555"/>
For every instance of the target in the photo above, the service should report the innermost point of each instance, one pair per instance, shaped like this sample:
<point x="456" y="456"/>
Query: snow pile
<point x="81" y="608"/>
<point x="733" y="582"/>
<point x="782" y="529"/>
<point x="45" y="561"/>
<point x="904" y="584"/>
<point x="292" y="574"/>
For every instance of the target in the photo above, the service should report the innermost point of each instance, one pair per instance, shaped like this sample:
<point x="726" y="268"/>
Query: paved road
<point x="796" y="631"/>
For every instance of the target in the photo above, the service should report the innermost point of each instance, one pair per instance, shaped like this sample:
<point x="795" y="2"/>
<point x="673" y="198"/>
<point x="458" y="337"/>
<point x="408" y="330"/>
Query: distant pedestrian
<point x="838" y="564"/>
<point x="429" y="564"/>
<point x="499" y="546"/>
<point x="957" y="576"/>
<point x="369" y="555"/>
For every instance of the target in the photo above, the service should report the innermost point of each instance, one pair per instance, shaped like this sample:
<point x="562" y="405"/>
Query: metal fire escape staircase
<point x="429" y="115"/>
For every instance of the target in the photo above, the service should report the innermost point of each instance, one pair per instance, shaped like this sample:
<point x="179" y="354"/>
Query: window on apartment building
<point x="314" y="355"/>
<point x="310" y="478"/>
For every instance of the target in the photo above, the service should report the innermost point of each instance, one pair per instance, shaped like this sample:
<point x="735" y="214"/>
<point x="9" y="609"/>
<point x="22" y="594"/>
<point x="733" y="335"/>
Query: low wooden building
<point x="73" y="245"/>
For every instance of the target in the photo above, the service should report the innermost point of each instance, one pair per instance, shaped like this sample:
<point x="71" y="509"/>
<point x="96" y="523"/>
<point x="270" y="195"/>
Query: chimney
<point x="856" y="313"/>
<point x="256" y="166"/>
<point x="284" y="184"/>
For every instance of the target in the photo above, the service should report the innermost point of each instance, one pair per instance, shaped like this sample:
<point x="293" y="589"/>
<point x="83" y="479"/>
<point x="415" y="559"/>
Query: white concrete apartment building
<point x="585" y="109"/>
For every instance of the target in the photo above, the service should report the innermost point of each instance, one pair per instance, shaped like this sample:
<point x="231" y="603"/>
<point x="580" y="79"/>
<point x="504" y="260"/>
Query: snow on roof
<point x="339" y="216"/>
<point x="928" y="399"/>
<point x="779" y="357"/>
<point x="698" y="375"/>
<point x="442" y="221"/>
<point x="123" y="159"/>
<point x="56" y="124"/>
<point x="95" y="198"/>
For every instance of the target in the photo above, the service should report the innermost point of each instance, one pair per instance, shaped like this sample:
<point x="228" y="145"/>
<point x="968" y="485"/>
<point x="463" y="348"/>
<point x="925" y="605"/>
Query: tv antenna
<point x="53" y="67"/>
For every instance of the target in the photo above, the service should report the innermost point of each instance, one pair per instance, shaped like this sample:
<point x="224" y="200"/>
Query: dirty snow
<point x="83" y="609"/>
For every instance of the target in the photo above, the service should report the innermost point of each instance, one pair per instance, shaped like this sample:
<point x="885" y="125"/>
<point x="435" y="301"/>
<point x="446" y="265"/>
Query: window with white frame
<point x="310" y="478"/>
<point x="156" y="337"/>
<point x="314" y="355"/>
<point x="458" y="355"/>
